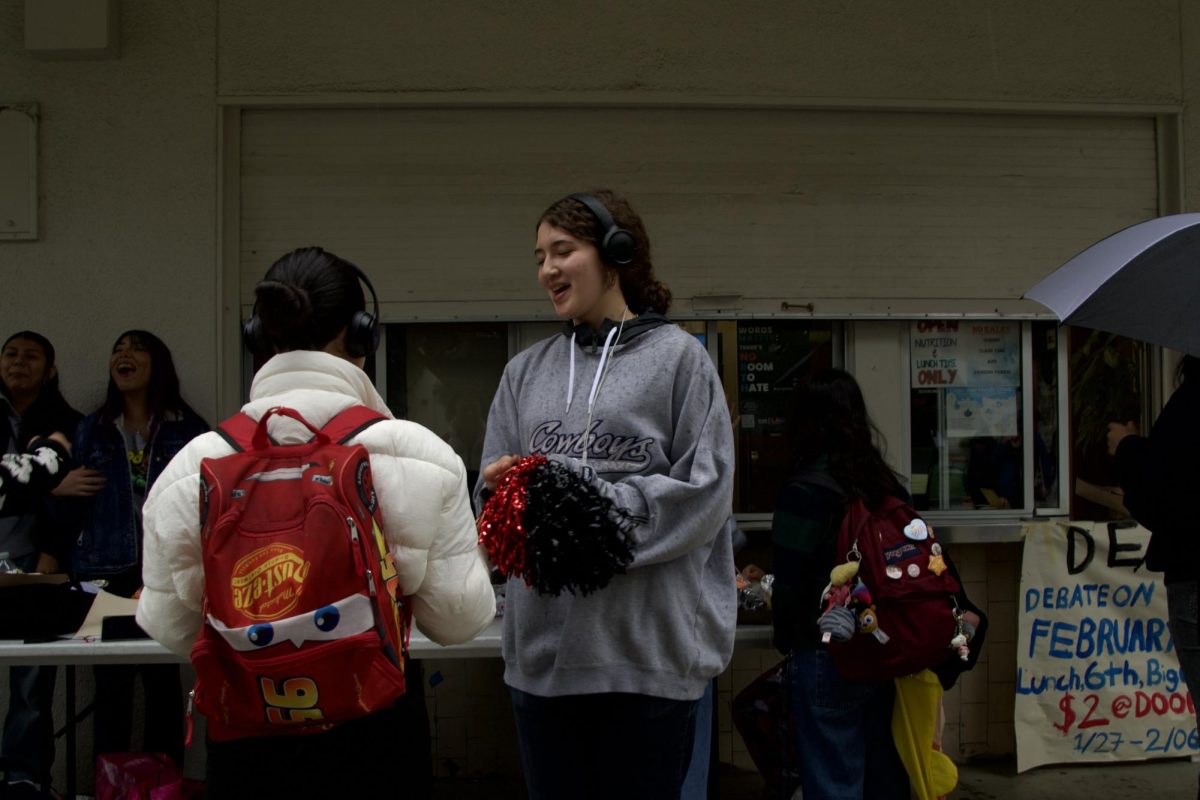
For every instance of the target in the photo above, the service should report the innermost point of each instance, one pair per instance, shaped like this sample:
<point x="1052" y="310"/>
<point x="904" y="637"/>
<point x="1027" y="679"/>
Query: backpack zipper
<point x="358" y="554"/>
<point x="356" y="545"/>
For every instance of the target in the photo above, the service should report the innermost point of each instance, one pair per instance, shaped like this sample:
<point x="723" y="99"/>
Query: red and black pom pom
<point x="546" y="524"/>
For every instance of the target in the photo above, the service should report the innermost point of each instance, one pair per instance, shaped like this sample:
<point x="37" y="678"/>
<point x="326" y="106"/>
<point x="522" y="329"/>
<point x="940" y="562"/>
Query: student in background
<point x="129" y="440"/>
<point x="33" y="407"/>
<point x="843" y="728"/>
<point x="1159" y="474"/>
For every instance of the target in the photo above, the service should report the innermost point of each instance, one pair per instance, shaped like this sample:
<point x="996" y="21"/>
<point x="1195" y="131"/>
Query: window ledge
<point x="960" y="530"/>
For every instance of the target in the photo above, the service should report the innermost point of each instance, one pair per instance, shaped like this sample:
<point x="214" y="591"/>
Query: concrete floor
<point x="1171" y="779"/>
<point x="1153" y="780"/>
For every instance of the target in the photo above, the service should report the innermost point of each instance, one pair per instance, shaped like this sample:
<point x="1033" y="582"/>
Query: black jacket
<point x="31" y="474"/>
<point x="1160" y="475"/>
<point x="50" y="413"/>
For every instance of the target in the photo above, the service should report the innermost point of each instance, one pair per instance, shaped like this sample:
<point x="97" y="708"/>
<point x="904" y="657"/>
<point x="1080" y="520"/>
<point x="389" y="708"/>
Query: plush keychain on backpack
<point x="962" y="635"/>
<point x="837" y="620"/>
<point x="868" y="623"/>
<point x="550" y="526"/>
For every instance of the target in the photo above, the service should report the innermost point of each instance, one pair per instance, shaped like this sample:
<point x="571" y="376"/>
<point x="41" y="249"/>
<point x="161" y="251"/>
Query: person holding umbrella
<point x="1159" y="474"/>
<point x="1142" y="282"/>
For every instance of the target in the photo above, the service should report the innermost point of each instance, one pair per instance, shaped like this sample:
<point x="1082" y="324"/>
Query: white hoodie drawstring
<point x="600" y="367"/>
<point x="598" y="380"/>
<point x="571" y="374"/>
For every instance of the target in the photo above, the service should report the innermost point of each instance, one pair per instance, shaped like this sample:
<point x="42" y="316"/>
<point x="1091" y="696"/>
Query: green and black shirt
<point x="804" y="533"/>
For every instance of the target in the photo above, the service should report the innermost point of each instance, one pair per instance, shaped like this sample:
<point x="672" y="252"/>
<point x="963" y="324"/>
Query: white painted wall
<point x="128" y="197"/>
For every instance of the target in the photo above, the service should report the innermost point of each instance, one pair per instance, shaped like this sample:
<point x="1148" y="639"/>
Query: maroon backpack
<point x="915" y="612"/>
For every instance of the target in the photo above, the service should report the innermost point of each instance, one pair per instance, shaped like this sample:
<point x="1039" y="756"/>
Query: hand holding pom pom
<point x="550" y="526"/>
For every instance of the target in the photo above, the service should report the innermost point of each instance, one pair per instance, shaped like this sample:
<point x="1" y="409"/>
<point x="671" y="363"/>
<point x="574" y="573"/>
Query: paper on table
<point x="105" y="605"/>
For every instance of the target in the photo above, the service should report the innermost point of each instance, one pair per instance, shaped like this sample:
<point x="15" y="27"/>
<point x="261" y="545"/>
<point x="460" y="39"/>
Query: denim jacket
<point x="110" y="540"/>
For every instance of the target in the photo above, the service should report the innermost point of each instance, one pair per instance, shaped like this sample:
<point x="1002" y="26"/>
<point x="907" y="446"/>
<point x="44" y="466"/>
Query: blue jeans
<point x="162" y="723"/>
<point x="1183" y="618"/>
<point x="1184" y="621"/>
<point x="27" y="748"/>
<point x="604" y="745"/>
<point x="695" y="784"/>
<point x="843" y="733"/>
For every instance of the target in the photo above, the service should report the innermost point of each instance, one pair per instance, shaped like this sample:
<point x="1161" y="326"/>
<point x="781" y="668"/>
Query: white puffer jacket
<point x="423" y="502"/>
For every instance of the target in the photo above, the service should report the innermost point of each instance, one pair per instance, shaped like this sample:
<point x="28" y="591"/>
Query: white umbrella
<point x="1142" y="282"/>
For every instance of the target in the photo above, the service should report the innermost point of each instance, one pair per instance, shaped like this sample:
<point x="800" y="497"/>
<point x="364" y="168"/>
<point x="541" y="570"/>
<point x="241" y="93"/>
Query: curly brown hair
<point x="642" y="290"/>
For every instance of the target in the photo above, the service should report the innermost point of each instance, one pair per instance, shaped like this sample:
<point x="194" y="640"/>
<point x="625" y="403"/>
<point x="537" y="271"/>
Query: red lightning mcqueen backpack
<point x="303" y="624"/>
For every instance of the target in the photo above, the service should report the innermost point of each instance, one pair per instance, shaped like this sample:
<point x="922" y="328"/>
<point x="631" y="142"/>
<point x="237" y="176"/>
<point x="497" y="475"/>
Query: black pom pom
<point x="577" y="538"/>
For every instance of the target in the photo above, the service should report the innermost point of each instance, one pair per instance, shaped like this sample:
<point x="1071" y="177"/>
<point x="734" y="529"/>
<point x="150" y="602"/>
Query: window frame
<point x="1029" y="510"/>
<point x="519" y="339"/>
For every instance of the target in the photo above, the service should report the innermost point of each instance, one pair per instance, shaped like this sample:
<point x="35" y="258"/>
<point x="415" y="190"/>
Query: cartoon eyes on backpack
<point x="261" y="635"/>
<point x="347" y="617"/>
<point x="327" y="618"/>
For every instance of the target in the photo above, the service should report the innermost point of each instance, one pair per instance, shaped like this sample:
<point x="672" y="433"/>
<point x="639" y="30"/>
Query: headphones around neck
<point x="616" y="244"/>
<point x="362" y="331"/>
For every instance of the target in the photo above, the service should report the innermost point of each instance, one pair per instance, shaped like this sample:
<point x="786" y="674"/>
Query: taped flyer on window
<point x="1098" y="678"/>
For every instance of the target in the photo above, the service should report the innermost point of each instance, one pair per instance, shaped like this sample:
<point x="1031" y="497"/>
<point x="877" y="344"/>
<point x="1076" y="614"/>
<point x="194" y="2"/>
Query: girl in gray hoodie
<point x="605" y="687"/>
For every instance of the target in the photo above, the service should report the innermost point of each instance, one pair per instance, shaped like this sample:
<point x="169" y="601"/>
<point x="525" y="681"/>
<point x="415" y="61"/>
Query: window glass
<point x="1109" y="379"/>
<point x="966" y="415"/>
<point x="759" y="364"/>
<point x="1046" y="432"/>
<point x="444" y="377"/>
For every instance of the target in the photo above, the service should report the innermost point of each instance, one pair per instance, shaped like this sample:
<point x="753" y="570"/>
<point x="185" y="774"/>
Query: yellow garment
<point x="916" y="727"/>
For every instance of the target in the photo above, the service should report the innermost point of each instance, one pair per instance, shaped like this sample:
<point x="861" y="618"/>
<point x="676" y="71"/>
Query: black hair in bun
<point x="306" y="298"/>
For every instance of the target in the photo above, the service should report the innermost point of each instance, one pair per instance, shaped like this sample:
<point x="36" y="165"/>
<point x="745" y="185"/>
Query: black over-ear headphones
<point x="362" y="331"/>
<point x="616" y="244"/>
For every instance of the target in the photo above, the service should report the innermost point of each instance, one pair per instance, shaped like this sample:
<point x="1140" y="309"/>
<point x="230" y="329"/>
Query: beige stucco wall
<point x="129" y="147"/>
<point x="1105" y="51"/>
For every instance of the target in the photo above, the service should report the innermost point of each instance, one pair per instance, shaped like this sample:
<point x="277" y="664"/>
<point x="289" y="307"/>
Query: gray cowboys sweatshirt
<point x="659" y="444"/>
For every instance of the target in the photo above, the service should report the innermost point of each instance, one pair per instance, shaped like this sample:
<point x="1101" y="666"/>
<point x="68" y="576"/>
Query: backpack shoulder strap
<point x="238" y="432"/>
<point x="350" y="423"/>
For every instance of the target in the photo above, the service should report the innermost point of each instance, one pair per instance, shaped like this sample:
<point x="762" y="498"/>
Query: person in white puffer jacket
<point x="310" y="311"/>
